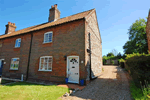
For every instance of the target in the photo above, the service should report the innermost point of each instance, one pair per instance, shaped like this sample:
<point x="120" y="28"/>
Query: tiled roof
<point x="48" y="24"/>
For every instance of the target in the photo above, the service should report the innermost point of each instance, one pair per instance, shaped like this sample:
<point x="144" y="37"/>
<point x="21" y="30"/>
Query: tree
<point x="115" y="52"/>
<point x="110" y="54"/>
<point x="119" y="55"/>
<point x="137" y="38"/>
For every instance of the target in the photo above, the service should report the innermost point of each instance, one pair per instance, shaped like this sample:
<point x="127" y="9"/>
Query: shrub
<point x="121" y="62"/>
<point x="139" y="65"/>
<point x="112" y="62"/>
<point x="104" y="61"/>
<point x="138" y="93"/>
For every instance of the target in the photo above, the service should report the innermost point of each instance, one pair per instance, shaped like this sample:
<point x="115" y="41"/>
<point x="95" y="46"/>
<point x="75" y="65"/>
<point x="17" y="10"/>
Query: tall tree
<point x="110" y="54"/>
<point x="115" y="52"/>
<point x="137" y="38"/>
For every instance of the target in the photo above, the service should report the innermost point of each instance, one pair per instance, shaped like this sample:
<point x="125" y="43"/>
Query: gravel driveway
<point x="111" y="85"/>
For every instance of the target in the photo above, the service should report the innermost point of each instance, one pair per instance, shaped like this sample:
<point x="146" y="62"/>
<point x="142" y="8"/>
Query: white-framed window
<point x="48" y="37"/>
<point x="18" y="42"/>
<point x="45" y="63"/>
<point x="14" y="64"/>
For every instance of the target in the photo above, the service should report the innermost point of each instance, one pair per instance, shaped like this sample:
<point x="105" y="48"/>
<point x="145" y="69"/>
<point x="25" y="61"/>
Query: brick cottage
<point x="61" y="48"/>
<point x="148" y="31"/>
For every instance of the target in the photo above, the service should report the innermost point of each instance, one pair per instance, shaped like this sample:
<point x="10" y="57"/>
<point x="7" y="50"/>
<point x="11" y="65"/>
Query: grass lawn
<point x="29" y="91"/>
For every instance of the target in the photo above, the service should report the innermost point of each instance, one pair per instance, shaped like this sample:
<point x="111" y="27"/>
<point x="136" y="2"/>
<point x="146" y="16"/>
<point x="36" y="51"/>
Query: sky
<point x="114" y="16"/>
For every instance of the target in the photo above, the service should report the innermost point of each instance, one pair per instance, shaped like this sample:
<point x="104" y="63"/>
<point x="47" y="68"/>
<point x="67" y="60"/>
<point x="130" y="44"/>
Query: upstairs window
<point x="48" y="37"/>
<point x="14" y="64"/>
<point x="45" y="63"/>
<point x="18" y="42"/>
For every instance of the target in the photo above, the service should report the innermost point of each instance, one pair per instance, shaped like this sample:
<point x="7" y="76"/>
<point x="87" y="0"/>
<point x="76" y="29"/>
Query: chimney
<point x="54" y="13"/>
<point x="10" y="27"/>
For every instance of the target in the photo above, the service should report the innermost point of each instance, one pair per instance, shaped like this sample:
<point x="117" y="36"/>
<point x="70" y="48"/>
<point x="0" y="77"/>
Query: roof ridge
<point x="78" y="13"/>
<point x="30" y="27"/>
<point x="48" y="24"/>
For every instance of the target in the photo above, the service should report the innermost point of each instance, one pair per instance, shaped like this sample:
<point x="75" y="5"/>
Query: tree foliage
<point x="110" y="54"/>
<point x="137" y="38"/>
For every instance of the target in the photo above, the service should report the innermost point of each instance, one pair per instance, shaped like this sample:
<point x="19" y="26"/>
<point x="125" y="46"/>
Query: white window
<point x="48" y="37"/>
<point x="18" y="42"/>
<point x="45" y="63"/>
<point x="14" y="63"/>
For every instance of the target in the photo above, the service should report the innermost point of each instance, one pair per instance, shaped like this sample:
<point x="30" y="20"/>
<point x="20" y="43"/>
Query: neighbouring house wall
<point x="8" y="51"/>
<point x="96" y="46"/>
<point x="68" y="40"/>
<point x="109" y="61"/>
<point x="148" y="31"/>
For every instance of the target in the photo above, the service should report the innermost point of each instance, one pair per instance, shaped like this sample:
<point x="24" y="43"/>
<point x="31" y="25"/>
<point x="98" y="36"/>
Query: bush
<point x="104" y="61"/>
<point x="138" y="93"/>
<point x="112" y="62"/>
<point x="139" y="66"/>
<point x="121" y="62"/>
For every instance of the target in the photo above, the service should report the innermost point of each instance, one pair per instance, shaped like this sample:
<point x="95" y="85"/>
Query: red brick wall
<point x="148" y="31"/>
<point x="68" y="39"/>
<point x="8" y="51"/>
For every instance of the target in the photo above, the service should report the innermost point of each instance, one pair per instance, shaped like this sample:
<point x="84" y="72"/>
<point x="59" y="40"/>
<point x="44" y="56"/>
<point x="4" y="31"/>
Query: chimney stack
<point x="10" y="27"/>
<point x="54" y="13"/>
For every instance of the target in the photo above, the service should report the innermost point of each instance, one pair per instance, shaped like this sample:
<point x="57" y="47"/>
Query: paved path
<point x="111" y="85"/>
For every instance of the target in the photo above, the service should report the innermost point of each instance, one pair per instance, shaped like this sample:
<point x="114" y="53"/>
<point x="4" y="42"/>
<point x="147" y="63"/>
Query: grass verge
<point x="29" y="91"/>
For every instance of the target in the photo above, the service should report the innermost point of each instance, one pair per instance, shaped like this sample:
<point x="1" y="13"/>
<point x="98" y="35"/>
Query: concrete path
<point x="111" y="85"/>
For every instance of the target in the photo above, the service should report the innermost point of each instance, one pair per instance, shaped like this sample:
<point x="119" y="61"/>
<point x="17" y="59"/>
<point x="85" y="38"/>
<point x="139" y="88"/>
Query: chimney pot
<point x="55" y="5"/>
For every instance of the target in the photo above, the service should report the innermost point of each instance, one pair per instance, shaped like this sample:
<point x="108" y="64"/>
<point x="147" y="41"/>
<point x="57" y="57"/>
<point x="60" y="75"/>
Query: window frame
<point x="47" y="64"/>
<point x="13" y="68"/>
<point x="18" y="43"/>
<point x="48" y="36"/>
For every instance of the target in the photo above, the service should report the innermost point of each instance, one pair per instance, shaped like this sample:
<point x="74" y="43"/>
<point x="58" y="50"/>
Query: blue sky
<point x="114" y="16"/>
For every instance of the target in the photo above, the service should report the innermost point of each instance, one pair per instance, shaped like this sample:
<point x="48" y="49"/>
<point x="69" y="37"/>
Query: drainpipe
<point x="90" y="54"/>
<point x="29" y="57"/>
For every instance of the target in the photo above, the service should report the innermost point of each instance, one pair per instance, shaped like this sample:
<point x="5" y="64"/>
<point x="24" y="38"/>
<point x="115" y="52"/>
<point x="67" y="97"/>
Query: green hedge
<point x="121" y="62"/>
<point x="139" y="66"/>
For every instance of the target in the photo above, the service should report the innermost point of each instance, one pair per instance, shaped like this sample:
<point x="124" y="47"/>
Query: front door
<point x="73" y="69"/>
<point x="1" y="66"/>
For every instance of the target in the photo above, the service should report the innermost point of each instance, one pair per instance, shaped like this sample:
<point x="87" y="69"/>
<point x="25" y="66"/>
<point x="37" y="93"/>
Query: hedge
<point x="139" y="66"/>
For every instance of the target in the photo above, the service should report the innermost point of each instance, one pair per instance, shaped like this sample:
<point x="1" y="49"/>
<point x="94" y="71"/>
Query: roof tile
<point x="48" y="24"/>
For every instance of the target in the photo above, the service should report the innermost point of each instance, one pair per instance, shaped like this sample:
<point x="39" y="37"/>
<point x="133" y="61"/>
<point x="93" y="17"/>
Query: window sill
<point x="46" y="42"/>
<point x="16" y="47"/>
<point x="45" y="70"/>
<point x="13" y="69"/>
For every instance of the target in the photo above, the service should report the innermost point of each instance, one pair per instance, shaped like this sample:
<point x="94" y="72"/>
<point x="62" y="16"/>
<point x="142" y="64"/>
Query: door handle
<point x="76" y="73"/>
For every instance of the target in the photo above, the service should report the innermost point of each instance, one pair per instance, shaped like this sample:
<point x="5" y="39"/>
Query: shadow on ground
<point x="112" y="85"/>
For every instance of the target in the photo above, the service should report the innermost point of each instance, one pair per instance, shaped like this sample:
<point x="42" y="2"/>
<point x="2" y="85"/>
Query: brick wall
<point x="96" y="47"/>
<point x="8" y="51"/>
<point x="68" y="39"/>
<point x="148" y="31"/>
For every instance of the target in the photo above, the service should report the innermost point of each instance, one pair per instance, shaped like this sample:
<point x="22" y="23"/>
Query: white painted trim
<point x="45" y="70"/>
<point x="44" y="37"/>
<point x="47" y="63"/>
<point x="13" y="69"/>
<point x="2" y="59"/>
<point x="68" y="67"/>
